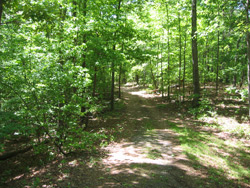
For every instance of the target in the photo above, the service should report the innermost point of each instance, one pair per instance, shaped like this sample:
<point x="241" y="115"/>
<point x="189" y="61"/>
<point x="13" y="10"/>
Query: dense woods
<point x="64" y="62"/>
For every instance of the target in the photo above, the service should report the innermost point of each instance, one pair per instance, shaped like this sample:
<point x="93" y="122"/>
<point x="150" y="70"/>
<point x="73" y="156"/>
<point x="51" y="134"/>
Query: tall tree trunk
<point x="196" y="82"/>
<point x="153" y="76"/>
<point x="218" y="57"/>
<point x="84" y="118"/>
<point x="120" y="74"/>
<point x="205" y="64"/>
<point x="248" y="50"/>
<point x="236" y="59"/>
<point x="179" y="55"/>
<point x="168" y="57"/>
<point x="1" y="10"/>
<point x="113" y="65"/>
<point x="184" y="68"/>
<point x="94" y="82"/>
<point x="162" y="79"/>
<point x="112" y="84"/>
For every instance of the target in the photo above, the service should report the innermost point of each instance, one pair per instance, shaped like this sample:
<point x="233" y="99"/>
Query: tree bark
<point x="94" y="82"/>
<point x="153" y="76"/>
<point x="196" y="82"/>
<point x="120" y="74"/>
<point x="184" y="68"/>
<point x="112" y="84"/>
<point x="248" y="50"/>
<point x="162" y="79"/>
<point x="84" y="118"/>
<point x="168" y="56"/>
<point x="236" y="59"/>
<point x="1" y="10"/>
<point x="217" y="64"/>
<point x="180" y="45"/>
<point x="218" y="57"/>
<point x="113" y="65"/>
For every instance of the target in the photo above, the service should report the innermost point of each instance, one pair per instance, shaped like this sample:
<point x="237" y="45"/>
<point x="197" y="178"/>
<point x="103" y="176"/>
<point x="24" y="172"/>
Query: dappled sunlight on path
<point x="150" y="154"/>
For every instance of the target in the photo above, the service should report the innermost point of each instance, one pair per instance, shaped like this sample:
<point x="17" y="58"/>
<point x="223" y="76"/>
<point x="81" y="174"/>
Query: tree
<point x="196" y="83"/>
<point x="248" y="48"/>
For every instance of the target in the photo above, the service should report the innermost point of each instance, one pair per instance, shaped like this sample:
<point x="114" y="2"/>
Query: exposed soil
<point x="145" y="153"/>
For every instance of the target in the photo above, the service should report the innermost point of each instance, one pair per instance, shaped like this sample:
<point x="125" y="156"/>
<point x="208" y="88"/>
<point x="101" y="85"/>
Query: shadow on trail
<point x="147" y="152"/>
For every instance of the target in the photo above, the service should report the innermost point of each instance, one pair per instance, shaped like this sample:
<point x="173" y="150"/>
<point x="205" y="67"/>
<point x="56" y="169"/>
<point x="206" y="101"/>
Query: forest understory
<point x="154" y="143"/>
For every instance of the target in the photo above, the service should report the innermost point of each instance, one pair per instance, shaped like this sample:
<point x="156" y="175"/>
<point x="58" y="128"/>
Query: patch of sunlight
<point x="63" y="176"/>
<point x="143" y="94"/>
<point x="230" y="125"/>
<point x="73" y="163"/>
<point x="134" y="152"/>
<point x="214" y="153"/>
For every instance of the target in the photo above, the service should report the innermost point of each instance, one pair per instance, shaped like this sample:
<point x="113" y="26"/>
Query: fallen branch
<point x="14" y="153"/>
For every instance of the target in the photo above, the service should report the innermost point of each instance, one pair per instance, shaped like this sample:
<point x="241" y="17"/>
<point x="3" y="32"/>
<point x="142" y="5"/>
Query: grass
<point x="153" y="154"/>
<point x="225" y="159"/>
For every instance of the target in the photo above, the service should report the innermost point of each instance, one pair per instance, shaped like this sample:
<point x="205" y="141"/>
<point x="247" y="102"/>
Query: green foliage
<point x="240" y="93"/>
<point x="205" y="108"/>
<point x="244" y="94"/>
<point x="202" y="148"/>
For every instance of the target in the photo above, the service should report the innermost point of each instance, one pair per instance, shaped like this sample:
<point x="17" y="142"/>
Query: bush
<point x="205" y="108"/>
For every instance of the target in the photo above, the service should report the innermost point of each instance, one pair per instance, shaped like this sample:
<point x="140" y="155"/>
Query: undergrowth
<point x="225" y="159"/>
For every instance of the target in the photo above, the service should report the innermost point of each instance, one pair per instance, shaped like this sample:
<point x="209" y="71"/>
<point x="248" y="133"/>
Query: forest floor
<point x="155" y="144"/>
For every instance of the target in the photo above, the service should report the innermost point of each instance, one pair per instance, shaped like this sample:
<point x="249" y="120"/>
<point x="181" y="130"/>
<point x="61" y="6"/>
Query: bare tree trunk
<point x="1" y="10"/>
<point x="112" y="84"/>
<point x="236" y="59"/>
<point x="184" y="71"/>
<point x="248" y="50"/>
<point x="218" y="57"/>
<point x="179" y="56"/>
<point x="205" y="63"/>
<point x="113" y="66"/>
<point x="162" y="79"/>
<point x="120" y="74"/>
<point x="168" y="57"/>
<point x="153" y="76"/>
<point x="84" y="118"/>
<point x="94" y="82"/>
<point x="196" y="81"/>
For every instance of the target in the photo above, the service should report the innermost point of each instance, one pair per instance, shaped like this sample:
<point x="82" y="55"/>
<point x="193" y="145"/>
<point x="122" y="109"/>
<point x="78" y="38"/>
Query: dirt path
<point x="145" y="153"/>
<point x="148" y="153"/>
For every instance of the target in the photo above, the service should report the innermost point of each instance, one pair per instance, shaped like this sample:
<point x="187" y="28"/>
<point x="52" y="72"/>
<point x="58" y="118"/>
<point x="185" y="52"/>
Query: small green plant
<point x="244" y="94"/>
<point x="36" y="182"/>
<point x="149" y="125"/>
<point x="205" y="108"/>
<point x="161" y="106"/>
<point x="153" y="154"/>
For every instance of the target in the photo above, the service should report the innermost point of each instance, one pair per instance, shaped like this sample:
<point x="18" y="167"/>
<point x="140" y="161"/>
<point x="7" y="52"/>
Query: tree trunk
<point x="168" y="57"/>
<point x="236" y="59"/>
<point x="112" y="84"/>
<point x="196" y="82"/>
<point x="205" y="63"/>
<point x="179" y="56"/>
<point x="218" y="57"/>
<point x="153" y="76"/>
<point x="162" y="79"/>
<point x="248" y="50"/>
<point x="184" y="70"/>
<point x="113" y="66"/>
<point x="120" y="74"/>
<point x="1" y="11"/>
<point x="84" y="118"/>
<point x="94" y="82"/>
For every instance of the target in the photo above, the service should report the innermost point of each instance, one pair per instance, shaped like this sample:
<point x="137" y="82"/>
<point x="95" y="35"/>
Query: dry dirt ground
<point x="145" y="153"/>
